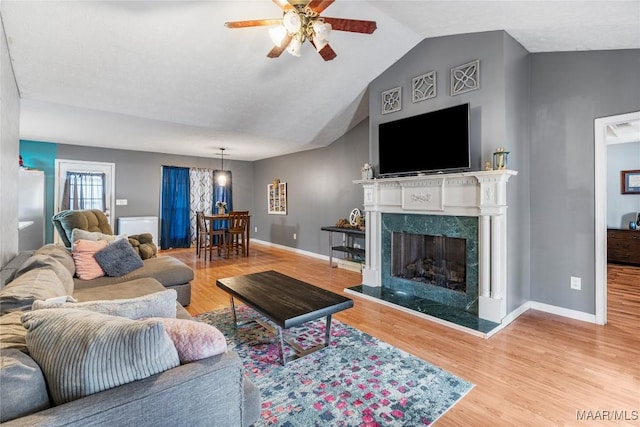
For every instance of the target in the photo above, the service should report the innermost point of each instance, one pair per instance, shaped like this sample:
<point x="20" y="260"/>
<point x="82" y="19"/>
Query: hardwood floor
<point x="542" y="369"/>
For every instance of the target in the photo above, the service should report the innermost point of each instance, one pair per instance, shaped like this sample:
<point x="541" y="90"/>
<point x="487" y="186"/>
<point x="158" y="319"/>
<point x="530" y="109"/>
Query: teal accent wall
<point x="42" y="156"/>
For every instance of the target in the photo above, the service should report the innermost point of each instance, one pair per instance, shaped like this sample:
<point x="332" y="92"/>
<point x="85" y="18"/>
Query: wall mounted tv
<point x="433" y="142"/>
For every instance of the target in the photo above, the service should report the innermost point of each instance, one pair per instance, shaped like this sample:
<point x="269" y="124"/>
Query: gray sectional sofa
<point x="212" y="391"/>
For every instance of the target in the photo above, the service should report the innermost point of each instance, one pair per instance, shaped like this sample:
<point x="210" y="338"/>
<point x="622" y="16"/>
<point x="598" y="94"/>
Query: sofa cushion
<point x="81" y="352"/>
<point x="7" y="273"/>
<point x="23" y="390"/>
<point x="89" y="220"/>
<point x="167" y="270"/>
<point x="19" y="294"/>
<point x="12" y="333"/>
<point x="47" y="261"/>
<point x="118" y="259"/>
<point x="83" y="252"/>
<point x="194" y="340"/>
<point x="59" y="252"/>
<point x="157" y="304"/>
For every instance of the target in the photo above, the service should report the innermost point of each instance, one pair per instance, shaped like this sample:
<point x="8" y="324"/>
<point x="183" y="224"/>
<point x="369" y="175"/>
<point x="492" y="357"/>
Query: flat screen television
<point x="433" y="142"/>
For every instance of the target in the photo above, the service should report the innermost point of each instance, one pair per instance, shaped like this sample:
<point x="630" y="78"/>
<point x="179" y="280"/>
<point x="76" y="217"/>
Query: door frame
<point x="109" y="169"/>
<point x="600" y="138"/>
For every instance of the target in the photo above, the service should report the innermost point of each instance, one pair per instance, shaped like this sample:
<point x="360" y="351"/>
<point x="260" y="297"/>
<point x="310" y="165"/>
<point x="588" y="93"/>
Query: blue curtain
<point x="175" y="220"/>
<point x="222" y="193"/>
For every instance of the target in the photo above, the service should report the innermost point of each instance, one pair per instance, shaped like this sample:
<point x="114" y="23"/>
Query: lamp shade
<point x="292" y="22"/>
<point x="277" y="35"/>
<point x="294" y="47"/>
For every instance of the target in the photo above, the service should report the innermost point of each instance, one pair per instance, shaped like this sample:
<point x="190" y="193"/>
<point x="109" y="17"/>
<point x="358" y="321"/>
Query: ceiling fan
<point x="301" y="21"/>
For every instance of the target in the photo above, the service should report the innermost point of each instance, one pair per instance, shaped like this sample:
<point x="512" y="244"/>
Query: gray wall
<point x="621" y="208"/>
<point x="320" y="191"/>
<point x="9" y="137"/>
<point x="499" y="118"/>
<point x="138" y="176"/>
<point x="568" y="91"/>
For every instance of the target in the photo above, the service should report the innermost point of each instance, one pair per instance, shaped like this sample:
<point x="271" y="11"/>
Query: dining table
<point x="210" y="218"/>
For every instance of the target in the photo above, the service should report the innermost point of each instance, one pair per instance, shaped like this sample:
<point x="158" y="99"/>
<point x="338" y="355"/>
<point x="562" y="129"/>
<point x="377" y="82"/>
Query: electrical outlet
<point x="255" y="229"/>
<point x="576" y="283"/>
<point x="122" y="202"/>
<point x="295" y="236"/>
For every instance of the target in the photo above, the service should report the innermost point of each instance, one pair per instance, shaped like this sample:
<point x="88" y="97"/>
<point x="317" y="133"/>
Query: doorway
<point x="80" y="166"/>
<point x="602" y="137"/>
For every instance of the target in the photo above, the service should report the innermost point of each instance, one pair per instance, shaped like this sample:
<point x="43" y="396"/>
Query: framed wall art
<point x="630" y="182"/>
<point x="277" y="198"/>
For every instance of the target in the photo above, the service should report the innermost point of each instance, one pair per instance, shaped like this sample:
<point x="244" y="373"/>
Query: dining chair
<point x="237" y="232"/>
<point x="208" y="238"/>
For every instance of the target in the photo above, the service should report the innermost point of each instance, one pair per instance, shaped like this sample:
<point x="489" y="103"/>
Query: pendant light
<point x="222" y="176"/>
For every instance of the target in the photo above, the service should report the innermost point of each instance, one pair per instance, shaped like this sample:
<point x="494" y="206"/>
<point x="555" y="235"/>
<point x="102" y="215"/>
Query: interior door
<point x="64" y="166"/>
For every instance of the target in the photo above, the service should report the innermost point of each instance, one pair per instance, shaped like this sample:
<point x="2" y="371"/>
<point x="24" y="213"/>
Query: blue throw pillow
<point x="118" y="259"/>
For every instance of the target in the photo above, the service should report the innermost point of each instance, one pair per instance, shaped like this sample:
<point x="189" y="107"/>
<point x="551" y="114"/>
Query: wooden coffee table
<point x="287" y="302"/>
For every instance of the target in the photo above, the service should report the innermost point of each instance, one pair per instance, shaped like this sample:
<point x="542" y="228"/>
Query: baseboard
<point x="564" y="312"/>
<point x="510" y="317"/>
<point x="340" y="263"/>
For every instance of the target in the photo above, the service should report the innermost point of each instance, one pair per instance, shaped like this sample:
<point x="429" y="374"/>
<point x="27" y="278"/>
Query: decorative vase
<point x="220" y="211"/>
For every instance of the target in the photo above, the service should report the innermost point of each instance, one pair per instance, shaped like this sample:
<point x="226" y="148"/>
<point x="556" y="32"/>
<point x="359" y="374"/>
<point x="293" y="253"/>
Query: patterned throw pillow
<point x="87" y="267"/>
<point x="118" y="259"/>
<point x="81" y="352"/>
<point x="194" y="340"/>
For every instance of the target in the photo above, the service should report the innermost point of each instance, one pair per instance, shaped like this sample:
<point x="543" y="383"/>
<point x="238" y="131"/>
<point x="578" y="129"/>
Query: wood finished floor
<point x="542" y="369"/>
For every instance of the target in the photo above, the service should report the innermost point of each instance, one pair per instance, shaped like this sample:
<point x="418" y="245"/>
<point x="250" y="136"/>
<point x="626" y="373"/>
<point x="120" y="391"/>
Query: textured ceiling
<point x="167" y="76"/>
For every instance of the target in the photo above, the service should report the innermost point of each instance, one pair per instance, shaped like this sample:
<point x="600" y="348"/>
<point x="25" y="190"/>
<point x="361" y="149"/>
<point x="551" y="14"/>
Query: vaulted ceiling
<point x="167" y="76"/>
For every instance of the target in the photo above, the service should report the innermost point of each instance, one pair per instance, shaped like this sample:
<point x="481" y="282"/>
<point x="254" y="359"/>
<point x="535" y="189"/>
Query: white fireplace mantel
<point x="482" y="194"/>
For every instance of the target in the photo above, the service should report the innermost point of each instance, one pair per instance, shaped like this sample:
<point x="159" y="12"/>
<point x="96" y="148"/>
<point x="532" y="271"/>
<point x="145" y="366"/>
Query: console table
<point x="623" y="246"/>
<point x="354" y="253"/>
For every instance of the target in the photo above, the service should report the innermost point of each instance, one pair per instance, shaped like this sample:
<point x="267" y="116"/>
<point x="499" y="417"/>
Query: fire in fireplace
<point x="437" y="260"/>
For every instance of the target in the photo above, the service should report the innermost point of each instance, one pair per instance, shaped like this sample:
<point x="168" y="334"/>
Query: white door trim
<point x="62" y="166"/>
<point x="600" y="134"/>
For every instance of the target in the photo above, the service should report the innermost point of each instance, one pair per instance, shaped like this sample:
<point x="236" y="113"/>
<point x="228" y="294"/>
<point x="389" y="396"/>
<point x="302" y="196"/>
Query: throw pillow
<point x="20" y="293"/>
<point x="47" y="261"/>
<point x="157" y="304"/>
<point x="82" y="353"/>
<point x="87" y="267"/>
<point x="118" y="259"/>
<point x="79" y="234"/>
<point x="194" y="340"/>
<point x="23" y="390"/>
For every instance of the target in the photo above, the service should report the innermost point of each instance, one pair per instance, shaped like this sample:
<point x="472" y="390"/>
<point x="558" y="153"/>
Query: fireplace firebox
<point x="423" y="258"/>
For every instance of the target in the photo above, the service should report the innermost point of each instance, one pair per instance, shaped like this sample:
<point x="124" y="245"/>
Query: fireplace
<point x="453" y="214"/>
<point x="436" y="260"/>
<point x="432" y="257"/>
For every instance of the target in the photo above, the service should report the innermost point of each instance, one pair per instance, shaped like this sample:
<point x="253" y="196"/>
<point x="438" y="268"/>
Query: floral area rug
<point x="357" y="380"/>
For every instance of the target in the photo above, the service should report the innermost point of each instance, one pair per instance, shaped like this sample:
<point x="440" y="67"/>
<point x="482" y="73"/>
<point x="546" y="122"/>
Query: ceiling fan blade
<point x="277" y="50"/>
<point x="284" y="4"/>
<point x="327" y="53"/>
<point x="319" y="5"/>
<point x="253" y="23"/>
<point x="353" y="25"/>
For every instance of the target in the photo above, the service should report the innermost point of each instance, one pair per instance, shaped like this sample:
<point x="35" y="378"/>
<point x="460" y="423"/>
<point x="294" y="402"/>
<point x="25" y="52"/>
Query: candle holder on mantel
<point x="500" y="159"/>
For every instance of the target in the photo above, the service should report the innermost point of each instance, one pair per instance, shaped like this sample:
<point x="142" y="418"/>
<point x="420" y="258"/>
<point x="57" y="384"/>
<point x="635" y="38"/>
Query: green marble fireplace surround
<point x="433" y="225"/>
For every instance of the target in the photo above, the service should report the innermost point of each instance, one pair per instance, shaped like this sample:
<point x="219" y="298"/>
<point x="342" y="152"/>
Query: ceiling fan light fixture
<point x="321" y="30"/>
<point x="292" y="22"/>
<point x="294" y="47"/>
<point x="277" y="35"/>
